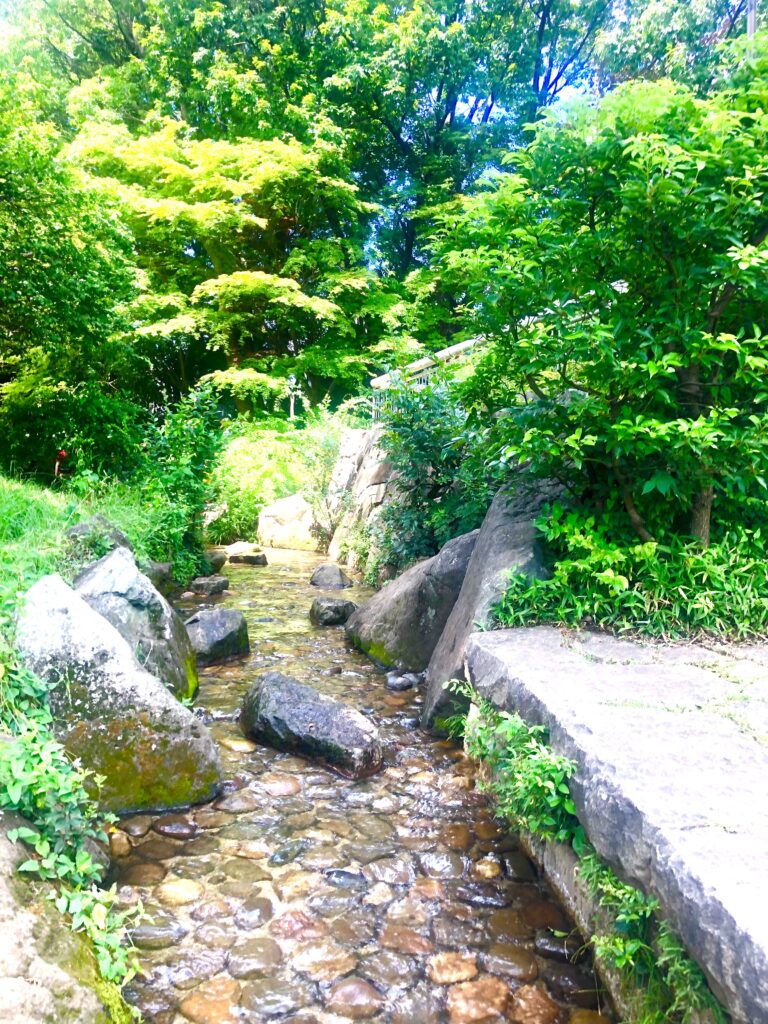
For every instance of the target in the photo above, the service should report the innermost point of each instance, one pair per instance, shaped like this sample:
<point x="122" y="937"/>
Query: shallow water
<point x="305" y="897"/>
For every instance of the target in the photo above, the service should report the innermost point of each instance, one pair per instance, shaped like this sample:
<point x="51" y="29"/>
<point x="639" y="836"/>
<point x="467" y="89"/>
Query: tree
<point x="621" y="272"/>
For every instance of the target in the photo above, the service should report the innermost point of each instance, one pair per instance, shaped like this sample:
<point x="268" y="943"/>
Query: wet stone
<point x="267" y="998"/>
<point x="322" y="961"/>
<point x="512" y="962"/>
<point x="481" y="894"/>
<point x="532" y="1005"/>
<point x="119" y="844"/>
<point x="449" y="932"/>
<point x="255" y="958"/>
<point x="457" y="837"/>
<point x="156" y="1006"/>
<point x="409" y="912"/>
<point x="569" y="983"/>
<point x="214" y="910"/>
<point x="215" y="936"/>
<point x="289" y="852"/>
<point x="543" y="914"/>
<point x="449" y="968"/>
<point x="364" y="853"/>
<point x="240" y="802"/>
<point x="355" y="999"/>
<point x="138" y="826"/>
<point x="478" y="1002"/>
<point x="420" y="1005"/>
<point x="190" y="967"/>
<point x="214" y="1002"/>
<point x="518" y="867"/>
<point x="280" y="785"/>
<point x="323" y="857"/>
<point x="404" y="940"/>
<point x="199" y="847"/>
<point x="507" y="924"/>
<point x="379" y="895"/>
<point x="346" y="879"/>
<point x="178" y="891"/>
<point x="566" y="948"/>
<point x="297" y="924"/>
<point x="298" y="884"/>
<point x="159" y="933"/>
<point x="388" y="969"/>
<point x="242" y="869"/>
<point x="192" y="867"/>
<point x="158" y="849"/>
<point x="255" y="911"/>
<point x="354" y="928"/>
<point x="175" y="826"/>
<point x="392" y="870"/>
<point x="442" y="865"/>
<point x="484" y="869"/>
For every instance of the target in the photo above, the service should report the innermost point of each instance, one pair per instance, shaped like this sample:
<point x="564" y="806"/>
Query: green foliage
<point x="268" y="459"/>
<point x="620" y="273"/>
<point x="444" y="487"/>
<point x="256" y="466"/>
<point x="668" y="590"/>
<point x="528" y="781"/>
<point x="530" y="785"/>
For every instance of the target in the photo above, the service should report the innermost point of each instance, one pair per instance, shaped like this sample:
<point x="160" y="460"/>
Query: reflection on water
<point x="305" y="897"/>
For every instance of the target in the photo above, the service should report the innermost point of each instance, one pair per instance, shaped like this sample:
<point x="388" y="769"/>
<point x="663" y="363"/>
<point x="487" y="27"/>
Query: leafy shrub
<point x="669" y="590"/>
<point x="530" y="784"/>
<point x="440" y="456"/>
<point x="256" y="466"/>
<point x="269" y="459"/>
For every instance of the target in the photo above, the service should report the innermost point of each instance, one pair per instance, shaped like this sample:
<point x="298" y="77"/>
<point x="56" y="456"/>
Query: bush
<point x="270" y="459"/>
<point x="444" y="482"/>
<point x="670" y="589"/>
<point x="256" y="466"/>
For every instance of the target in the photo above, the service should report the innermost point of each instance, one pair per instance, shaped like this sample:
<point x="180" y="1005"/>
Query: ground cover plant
<point x="529" y="783"/>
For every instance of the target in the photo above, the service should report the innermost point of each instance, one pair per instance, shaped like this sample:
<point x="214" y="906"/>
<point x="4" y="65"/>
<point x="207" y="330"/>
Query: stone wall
<point x="670" y="750"/>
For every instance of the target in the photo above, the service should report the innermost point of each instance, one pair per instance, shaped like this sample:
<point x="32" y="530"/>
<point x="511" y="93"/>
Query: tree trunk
<point x="701" y="514"/>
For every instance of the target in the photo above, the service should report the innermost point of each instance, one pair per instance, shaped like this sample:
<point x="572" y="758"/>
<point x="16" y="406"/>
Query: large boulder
<point x="116" y="589"/>
<point x="331" y="611"/>
<point x="402" y="623"/>
<point x="96" y="535"/>
<point x="217" y="634"/>
<point x="47" y="972"/>
<point x="330" y="576"/>
<point x="288" y="715"/>
<point x="120" y="721"/>
<point x="668" y="743"/>
<point x="362" y="483"/>
<point x="289" y="523"/>
<point x="507" y="541"/>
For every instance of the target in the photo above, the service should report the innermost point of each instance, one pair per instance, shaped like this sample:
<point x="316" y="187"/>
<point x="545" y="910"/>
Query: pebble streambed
<point x="302" y="896"/>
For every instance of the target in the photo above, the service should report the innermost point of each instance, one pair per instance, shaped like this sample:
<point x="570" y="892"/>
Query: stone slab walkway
<point x="671" y="747"/>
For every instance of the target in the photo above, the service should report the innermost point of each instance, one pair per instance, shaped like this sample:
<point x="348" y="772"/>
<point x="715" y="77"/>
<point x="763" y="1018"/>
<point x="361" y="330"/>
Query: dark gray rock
<point x="120" y="721"/>
<point x="97" y="535"/>
<point x="507" y="541"/>
<point x="116" y="589"/>
<point x="331" y="611"/>
<point x="249" y="558"/>
<point x="208" y="586"/>
<point x="286" y="714"/>
<point x="403" y="622"/>
<point x="665" y="777"/>
<point x="218" y="633"/>
<point x="216" y="560"/>
<point x="160" y="575"/>
<point x="329" y="576"/>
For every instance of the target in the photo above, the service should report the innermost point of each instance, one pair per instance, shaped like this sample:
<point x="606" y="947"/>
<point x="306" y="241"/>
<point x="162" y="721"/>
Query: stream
<point x="302" y="896"/>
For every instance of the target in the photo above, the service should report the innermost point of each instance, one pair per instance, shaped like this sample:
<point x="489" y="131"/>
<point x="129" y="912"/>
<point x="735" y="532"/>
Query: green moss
<point x="193" y="683"/>
<point x="374" y="650"/>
